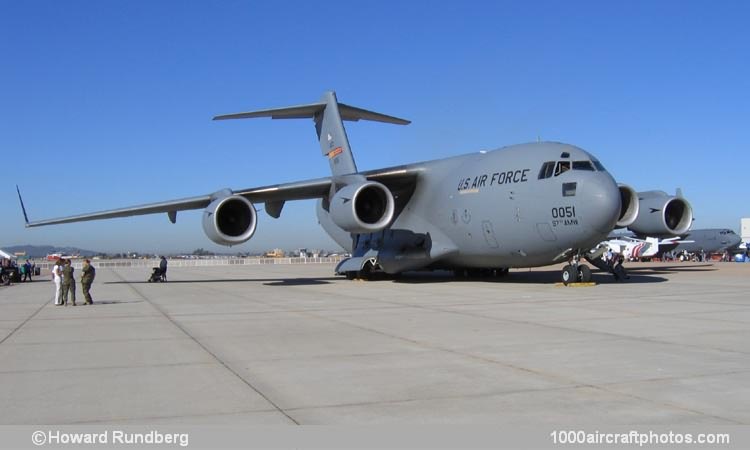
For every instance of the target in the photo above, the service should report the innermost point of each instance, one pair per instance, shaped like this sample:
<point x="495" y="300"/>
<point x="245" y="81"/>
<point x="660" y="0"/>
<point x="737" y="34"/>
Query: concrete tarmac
<point x="290" y="344"/>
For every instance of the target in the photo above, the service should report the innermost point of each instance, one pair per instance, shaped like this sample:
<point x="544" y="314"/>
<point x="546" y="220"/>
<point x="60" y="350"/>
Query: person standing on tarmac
<point x="68" y="284"/>
<point x="57" y="278"/>
<point x="163" y="268"/>
<point x="87" y="277"/>
<point x="27" y="270"/>
<point x="22" y="270"/>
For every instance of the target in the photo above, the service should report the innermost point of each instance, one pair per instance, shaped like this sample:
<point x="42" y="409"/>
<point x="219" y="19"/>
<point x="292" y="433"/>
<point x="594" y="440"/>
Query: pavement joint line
<point x="337" y="355"/>
<point x="101" y="340"/>
<point x="181" y="416"/>
<point x="505" y="394"/>
<point x="440" y="397"/>
<point x="290" y="311"/>
<point x="673" y="378"/>
<point x="206" y="349"/>
<point x="38" y="310"/>
<point x="104" y="368"/>
<point x="654" y="339"/>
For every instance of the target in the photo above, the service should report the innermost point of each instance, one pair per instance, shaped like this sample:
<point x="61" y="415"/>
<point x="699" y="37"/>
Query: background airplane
<point x="709" y="240"/>
<point x="525" y="205"/>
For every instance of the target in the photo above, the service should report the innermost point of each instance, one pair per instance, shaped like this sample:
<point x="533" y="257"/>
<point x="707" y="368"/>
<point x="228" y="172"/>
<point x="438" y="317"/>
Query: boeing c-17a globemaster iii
<point x="525" y="205"/>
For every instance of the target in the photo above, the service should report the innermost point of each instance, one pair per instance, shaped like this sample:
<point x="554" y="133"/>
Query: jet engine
<point x="662" y="214"/>
<point x="630" y="205"/>
<point x="230" y="220"/>
<point x="362" y="207"/>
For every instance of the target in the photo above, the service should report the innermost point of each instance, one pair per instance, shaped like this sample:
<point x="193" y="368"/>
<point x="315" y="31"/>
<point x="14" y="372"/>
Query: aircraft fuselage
<point x="521" y="206"/>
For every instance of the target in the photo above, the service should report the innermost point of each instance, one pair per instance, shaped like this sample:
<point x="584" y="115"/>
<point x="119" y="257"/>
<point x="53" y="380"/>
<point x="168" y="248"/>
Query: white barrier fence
<point x="117" y="263"/>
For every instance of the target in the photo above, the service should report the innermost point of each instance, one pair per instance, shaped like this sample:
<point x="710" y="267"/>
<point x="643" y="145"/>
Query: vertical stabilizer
<point x="334" y="144"/>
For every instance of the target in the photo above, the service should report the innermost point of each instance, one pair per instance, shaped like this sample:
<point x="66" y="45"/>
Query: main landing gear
<point x="576" y="272"/>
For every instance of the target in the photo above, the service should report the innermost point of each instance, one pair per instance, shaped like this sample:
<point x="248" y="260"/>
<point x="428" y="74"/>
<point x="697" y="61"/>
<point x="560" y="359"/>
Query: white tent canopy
<point x="4" y="254"/>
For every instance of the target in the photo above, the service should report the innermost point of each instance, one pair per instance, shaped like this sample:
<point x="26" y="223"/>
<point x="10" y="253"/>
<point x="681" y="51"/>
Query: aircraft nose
<point x="601" y="200"/>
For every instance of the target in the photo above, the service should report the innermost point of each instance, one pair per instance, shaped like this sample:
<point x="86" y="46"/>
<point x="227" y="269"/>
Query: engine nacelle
<point x="230" y="220"/>
<point x="362" y="207"/>
<point x="662" y="214"/>
<point x="629" y="206"/>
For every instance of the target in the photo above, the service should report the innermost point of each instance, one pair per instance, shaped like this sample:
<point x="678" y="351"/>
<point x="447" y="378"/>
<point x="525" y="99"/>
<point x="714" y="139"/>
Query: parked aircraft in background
<point x="709" y="240"/>
<point x="525" y="205"/>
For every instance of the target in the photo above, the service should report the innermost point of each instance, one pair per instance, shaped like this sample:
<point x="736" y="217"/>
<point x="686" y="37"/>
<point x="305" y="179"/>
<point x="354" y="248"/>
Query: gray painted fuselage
<point x="491" y="209"/>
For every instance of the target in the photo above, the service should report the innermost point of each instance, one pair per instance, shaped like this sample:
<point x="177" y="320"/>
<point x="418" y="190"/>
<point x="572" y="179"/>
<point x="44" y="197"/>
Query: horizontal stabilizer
<point x="309" y="111"/>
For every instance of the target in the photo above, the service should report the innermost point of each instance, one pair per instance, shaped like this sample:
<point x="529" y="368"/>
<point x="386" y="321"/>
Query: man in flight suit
<point x="87" y="277"/>
<point x="68" y="283"/>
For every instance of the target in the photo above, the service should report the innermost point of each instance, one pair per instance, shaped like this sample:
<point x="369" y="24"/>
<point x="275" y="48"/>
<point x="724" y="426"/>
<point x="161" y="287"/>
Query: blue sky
<point x="108" y="104"/>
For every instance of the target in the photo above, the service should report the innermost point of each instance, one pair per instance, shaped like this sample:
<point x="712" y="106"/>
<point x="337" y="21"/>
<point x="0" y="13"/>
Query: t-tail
<point x="328" y="115"/>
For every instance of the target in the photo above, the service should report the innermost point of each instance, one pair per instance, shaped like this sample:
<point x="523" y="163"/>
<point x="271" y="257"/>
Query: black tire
<point x="367" y="271"/>
<point x="5" y="279"/>
<point x="584" y="273"/>
<point x="568" y="275"/>
<point x="350" y="275"/>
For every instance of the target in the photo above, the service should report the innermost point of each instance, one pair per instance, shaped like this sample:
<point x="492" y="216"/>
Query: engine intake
<point x="629" y="205"/>
<point x="362" y="207"/>
<point x="230" y="220"/>
<point x="662" y="214"/>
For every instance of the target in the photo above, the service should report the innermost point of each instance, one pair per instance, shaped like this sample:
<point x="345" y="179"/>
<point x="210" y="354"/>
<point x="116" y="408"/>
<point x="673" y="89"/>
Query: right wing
<point x="401" y="180"/>
<point x="299" y="190"/>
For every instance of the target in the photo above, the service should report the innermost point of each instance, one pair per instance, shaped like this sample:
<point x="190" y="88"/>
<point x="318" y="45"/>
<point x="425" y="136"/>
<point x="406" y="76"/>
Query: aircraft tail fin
<point x="329" y="115"/>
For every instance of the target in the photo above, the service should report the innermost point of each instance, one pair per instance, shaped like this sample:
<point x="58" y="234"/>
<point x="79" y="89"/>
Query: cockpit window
<point x="562" y="166"/>
<point x="583" y="165"/>
<point x="547" y="169"/>
<point x="598" y="165"/>
<point x="555" y="168"/>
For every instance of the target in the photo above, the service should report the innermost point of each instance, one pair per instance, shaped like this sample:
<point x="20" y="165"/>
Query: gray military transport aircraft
<point x="709" y="240"/>
<point x="525" y="205"/>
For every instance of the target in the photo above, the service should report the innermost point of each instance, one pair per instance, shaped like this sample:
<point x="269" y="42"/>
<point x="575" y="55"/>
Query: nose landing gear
<point x="575" y="272"/>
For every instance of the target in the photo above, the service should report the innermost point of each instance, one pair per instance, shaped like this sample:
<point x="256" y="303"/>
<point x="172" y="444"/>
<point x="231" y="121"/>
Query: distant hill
<point x="40" y="251"/>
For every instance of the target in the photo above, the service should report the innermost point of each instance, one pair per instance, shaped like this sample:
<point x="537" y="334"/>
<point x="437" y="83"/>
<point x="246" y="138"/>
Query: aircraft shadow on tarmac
<point x="265" y="281"/>
<point x="637" y="275"/>
<point x="519" y="277"/>
<point x="670" y="269"/>
<point x="115" y="302"/>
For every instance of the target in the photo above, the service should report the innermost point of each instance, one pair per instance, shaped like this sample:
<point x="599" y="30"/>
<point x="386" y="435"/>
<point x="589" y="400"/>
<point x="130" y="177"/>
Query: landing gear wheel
<point x="568" y="275"/>
<point x="584" y="273"/>
<point x="367" y="271"/>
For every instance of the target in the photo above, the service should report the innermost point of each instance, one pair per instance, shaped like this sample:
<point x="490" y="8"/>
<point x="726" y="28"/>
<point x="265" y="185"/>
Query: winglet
<point x="23" y="208"/>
